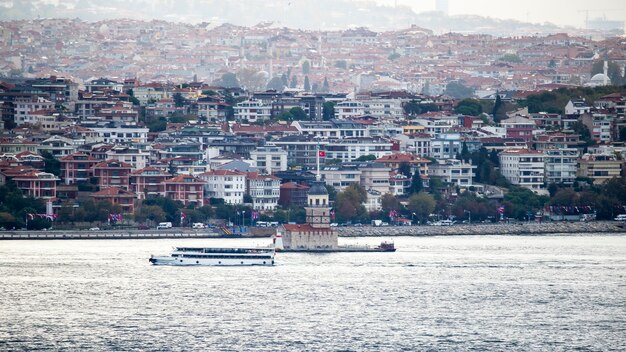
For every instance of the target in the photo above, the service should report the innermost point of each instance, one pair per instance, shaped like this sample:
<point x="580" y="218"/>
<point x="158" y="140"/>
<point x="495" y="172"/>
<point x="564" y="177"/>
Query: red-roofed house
<point x="293" y="194"/>
<point x="185" y="188"/>
<point x="117" y="196"/>
<point x="112" y="173"/>
<point x="148" y="182"/>
<point x="37" y="184"/>
<point x="76" y="167"/>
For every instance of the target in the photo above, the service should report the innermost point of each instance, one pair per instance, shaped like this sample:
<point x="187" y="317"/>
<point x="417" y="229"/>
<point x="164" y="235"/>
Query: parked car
<point x="143" y="227"/>
<point x="198" y="225"/>
<point x="94" y="229"/>
<point x="164" y="225"/>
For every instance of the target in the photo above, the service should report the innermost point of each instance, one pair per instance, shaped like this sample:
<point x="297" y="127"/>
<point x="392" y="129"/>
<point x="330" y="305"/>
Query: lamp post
<point x="469" y="216"/>
<point x="243" y="219"/>
<point x="412" y="215"/>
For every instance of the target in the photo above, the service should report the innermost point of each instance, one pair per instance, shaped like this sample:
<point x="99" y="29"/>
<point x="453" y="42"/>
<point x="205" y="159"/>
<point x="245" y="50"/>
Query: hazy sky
<point x="560" y="12"/>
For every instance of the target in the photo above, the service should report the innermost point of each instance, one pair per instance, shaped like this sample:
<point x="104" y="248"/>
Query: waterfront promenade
<point x="363" y="231"/>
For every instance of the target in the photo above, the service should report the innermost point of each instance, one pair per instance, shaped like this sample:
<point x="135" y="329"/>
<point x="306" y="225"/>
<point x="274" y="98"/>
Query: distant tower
<point x="318" y="207"/>
<point x="442" y="6"/>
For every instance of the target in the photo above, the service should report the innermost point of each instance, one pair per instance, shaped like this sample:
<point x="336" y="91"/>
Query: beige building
<point x="599" y="167"/>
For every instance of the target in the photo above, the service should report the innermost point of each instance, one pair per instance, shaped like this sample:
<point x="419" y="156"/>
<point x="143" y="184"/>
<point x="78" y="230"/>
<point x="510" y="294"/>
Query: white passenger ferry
<point x="217" y="256"/>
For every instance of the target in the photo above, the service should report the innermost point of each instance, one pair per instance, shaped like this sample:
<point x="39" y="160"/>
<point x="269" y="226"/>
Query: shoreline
<point x="486" y="229"/>
<point x="363" y="231"/>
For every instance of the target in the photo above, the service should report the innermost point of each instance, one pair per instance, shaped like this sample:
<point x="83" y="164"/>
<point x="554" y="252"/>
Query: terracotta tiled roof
<point x="113" y="191"/>
<point x="110" y="163"/>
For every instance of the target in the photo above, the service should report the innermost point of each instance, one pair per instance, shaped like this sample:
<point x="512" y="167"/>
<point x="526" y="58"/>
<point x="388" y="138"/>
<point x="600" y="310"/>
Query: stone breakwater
<point x="485" y="229"/>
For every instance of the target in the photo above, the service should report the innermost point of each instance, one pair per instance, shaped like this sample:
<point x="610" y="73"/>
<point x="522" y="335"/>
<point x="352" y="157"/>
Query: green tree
<point x="343" y="64"/>
<point x="412" y="108"/>
<point x="153" y="213"/>
<point x="458" y="90"/>
<point x="307" y="84"/>
<point x="470" y="107"/>
<point x="393" y="56"/>
<point x="298" y="113"/>
<point x="416" y="183"/>
<point x="405" y="169"/>
<point x="328" y="111"/>
<point x="306" y="67"/>
<point x="228" y="80"/>
<point x="179" y="101"/>
<point x="325" y="85"/>
<point x="422" y="205"/>
<point x="389" y="202"/>
<point x="51" y="164"/>
<point x="369" y="157"/>
<point x="513" y="58"/>
<point x="499" y="110"/>
<point x="294" y="82"/>
<point x="349" y="204"/>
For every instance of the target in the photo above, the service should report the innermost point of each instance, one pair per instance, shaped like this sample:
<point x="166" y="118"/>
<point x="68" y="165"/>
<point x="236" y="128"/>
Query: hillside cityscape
<point x="121" y="122"/>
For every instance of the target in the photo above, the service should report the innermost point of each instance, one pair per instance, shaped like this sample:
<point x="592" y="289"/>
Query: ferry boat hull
<point x="217" y="257"/>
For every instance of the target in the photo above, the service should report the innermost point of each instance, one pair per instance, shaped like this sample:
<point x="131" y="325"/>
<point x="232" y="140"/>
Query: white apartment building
<point x="264" y="190"/>
<point x="349" y="109"/>
<point x="399" y="184"/>
<point x="348" y="149"/>
<point x="253" y="110"/>
<point x="523" y="167"/>
<point x="340" y="176"/>
<point x="119" y="135"/>
<point x="380" y="108"/>
<point x="440" y="124"/>
<point x="561" y="165"/>
<point x="454" y="171"/>
<point x="269" y="158"/>
<point x="225" y="184"/>
<point x="446" y="146"/>
<point x="28" y="104"/>
<point x="331" y="129"/>
<point x="136" y="157"/>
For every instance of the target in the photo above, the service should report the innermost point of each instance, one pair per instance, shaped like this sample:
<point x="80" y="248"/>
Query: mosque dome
<point x="598" y="79"/>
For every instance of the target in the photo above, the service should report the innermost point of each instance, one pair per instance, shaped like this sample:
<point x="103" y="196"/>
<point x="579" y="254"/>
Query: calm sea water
<point x="435" y="293"/>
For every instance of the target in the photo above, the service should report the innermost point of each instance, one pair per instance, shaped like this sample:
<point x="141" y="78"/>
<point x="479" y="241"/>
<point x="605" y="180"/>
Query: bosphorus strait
<point x="434" y="293"/>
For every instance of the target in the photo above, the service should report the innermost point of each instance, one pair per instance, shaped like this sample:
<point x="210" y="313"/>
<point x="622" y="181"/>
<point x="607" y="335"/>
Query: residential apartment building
<point x="112" y="173"/>
<point x="561" y="165"/>
<point x="599" y="167"/>
<point x="77" y="167"/>
<point x="253" y="111"/>
<point x="37" y="184"/>
<point x="117" y="196"/>
<point x="225" y="184"/>
<point x="349" y="149"/>
<point x="185" y="188"/>
<point x="523" y="167"/>
<point x="264" y="189"/>
<point x="349" y="109"/>
<point x="269" y="158"/>
<point x="148" y="182"/>
<point x="454" y="171"/>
